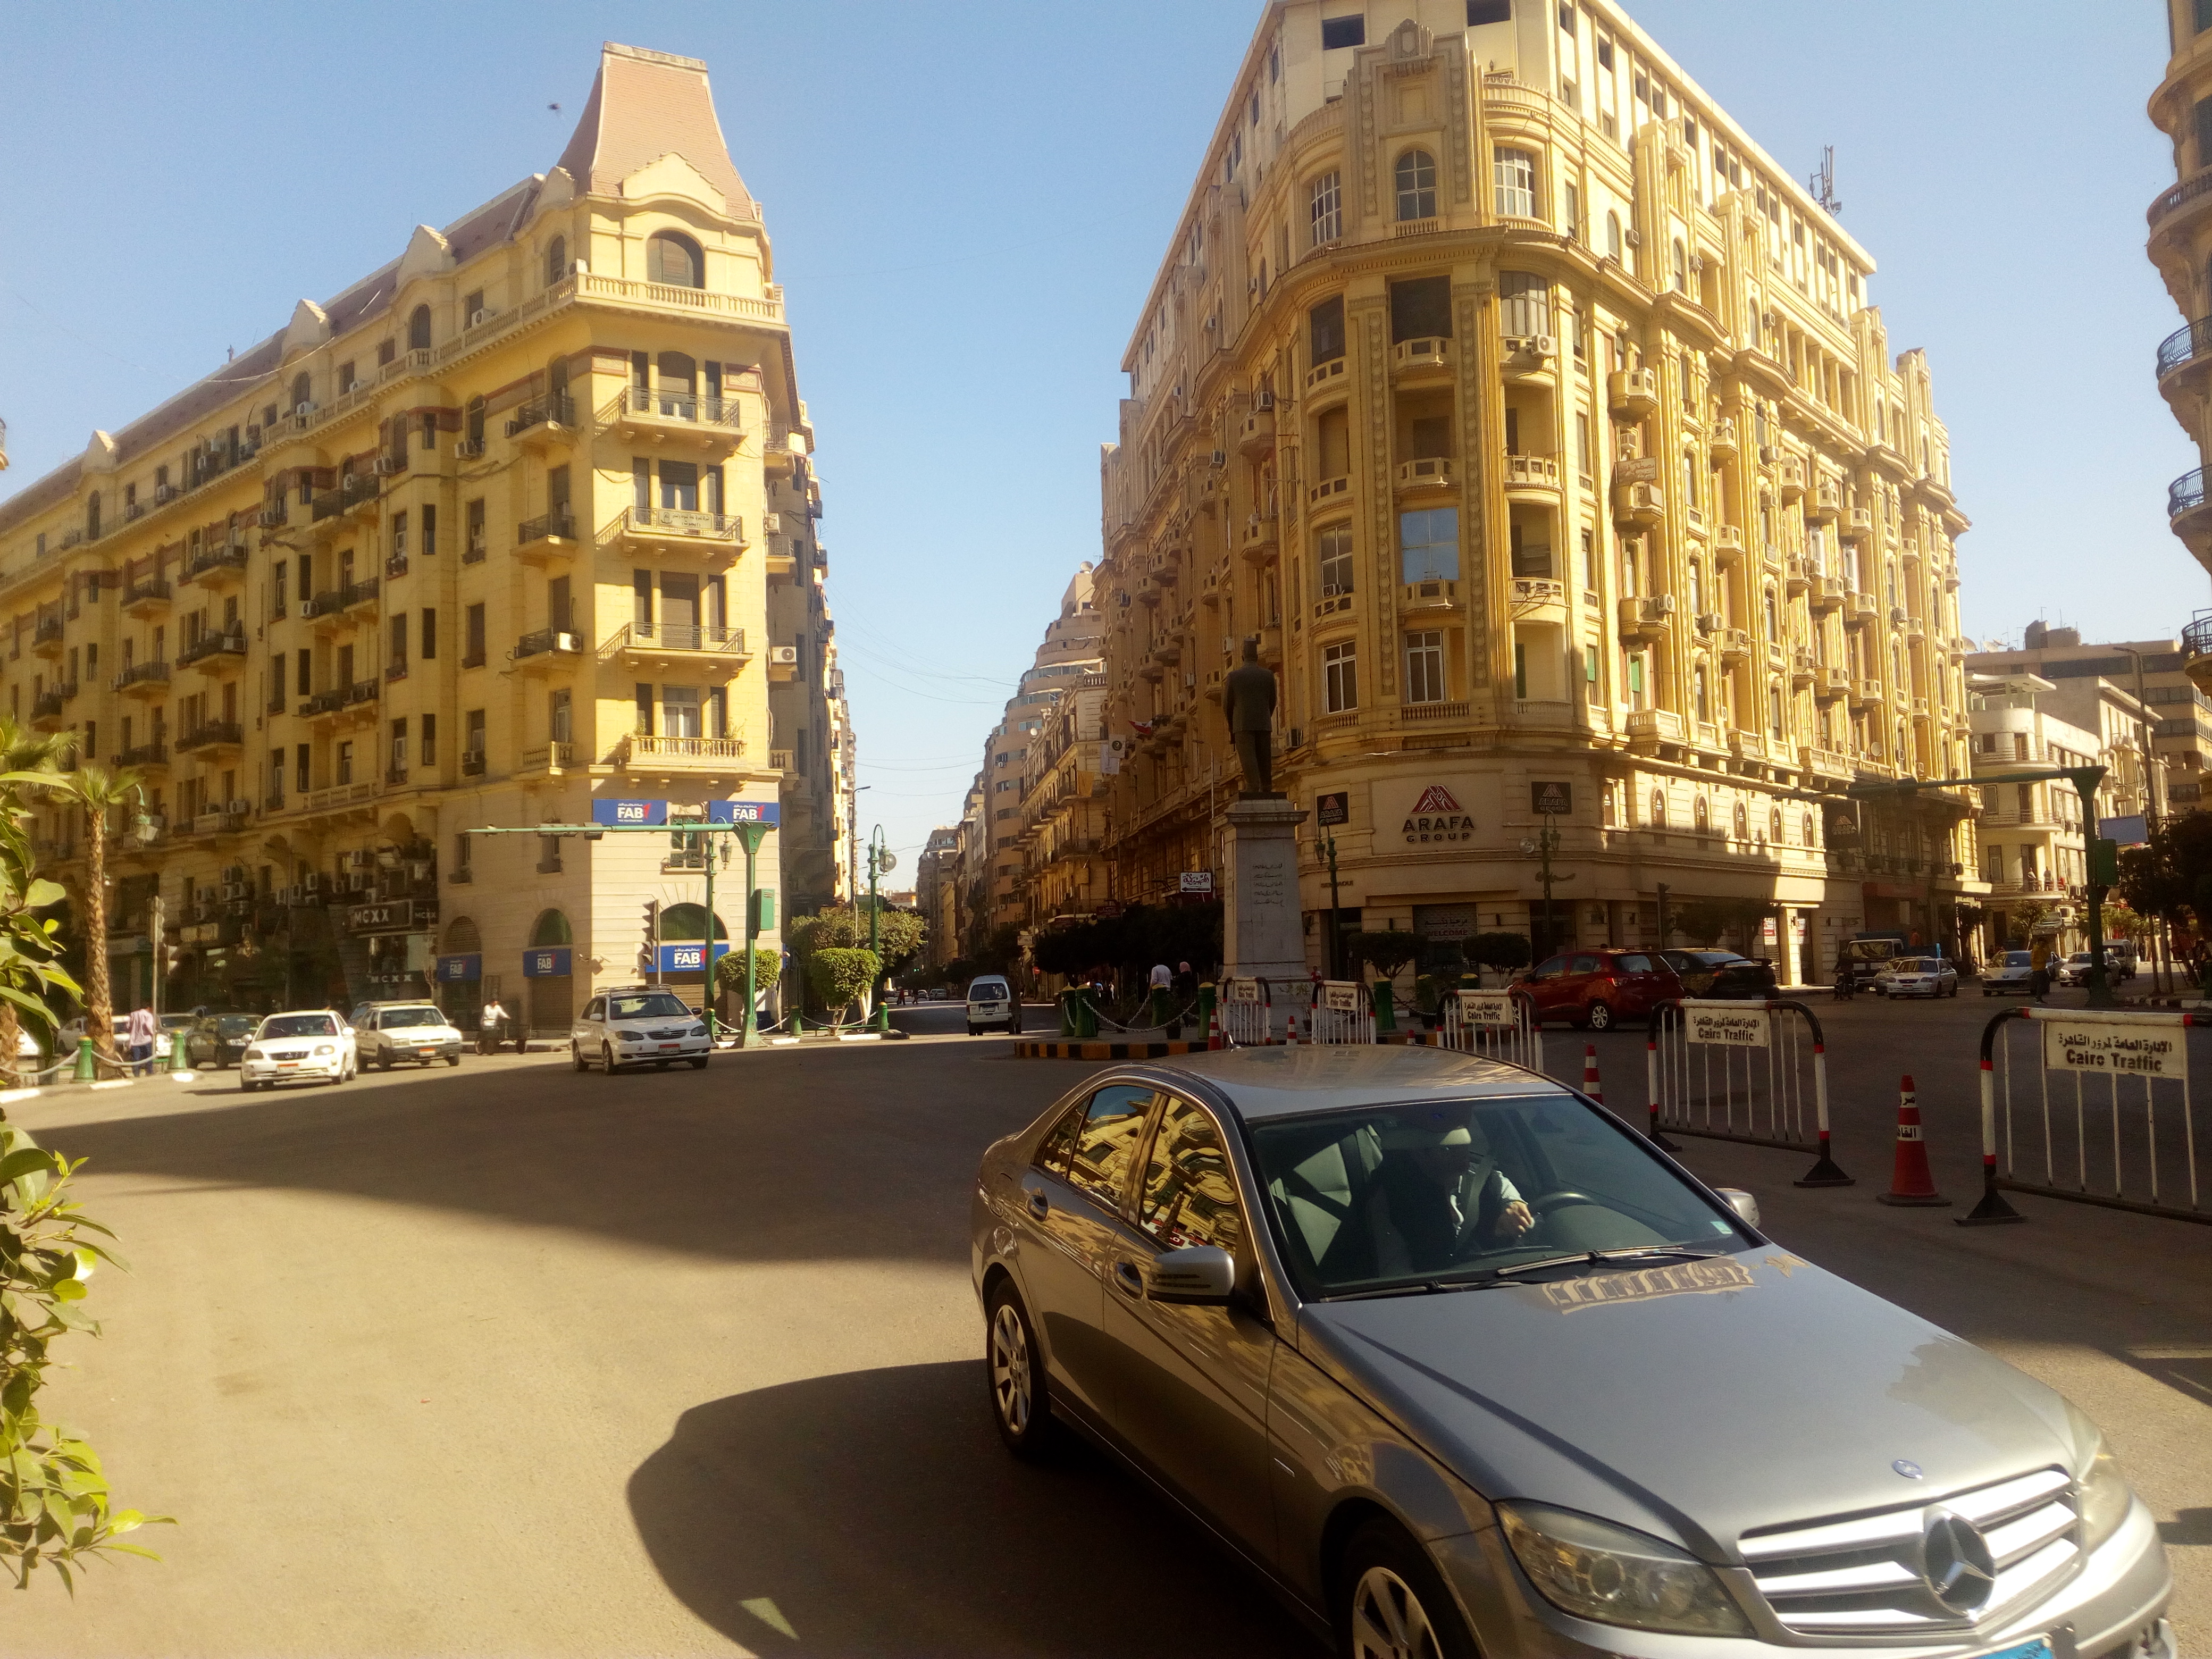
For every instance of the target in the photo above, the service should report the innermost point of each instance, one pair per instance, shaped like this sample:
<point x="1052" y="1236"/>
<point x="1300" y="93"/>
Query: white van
<point x="991" y="1002"/>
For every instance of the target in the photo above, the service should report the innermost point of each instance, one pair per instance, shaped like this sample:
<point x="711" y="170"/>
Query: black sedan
<point x="216" y="1040"/>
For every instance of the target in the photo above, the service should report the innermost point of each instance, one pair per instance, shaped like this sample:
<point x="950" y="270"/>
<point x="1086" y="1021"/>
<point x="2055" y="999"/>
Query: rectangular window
<point x="429" y="533"/>
<point x="1338" y="32"/>
<point x="399" y="534"/>
<point x="1572" y="198"/>
<point x="1332" y="556"/>
<point x="428" y="747"/>
<point x="477" y="544"/>
<point x="1519" y="670"/>
<point x="718" y="713"/>
<point x="1581" y="454"/>
<point x="640" y="602"/>
<point x="1325" y="327"/>
<point x="399" y="746"/>
<point x="644" y="709"/>
<point x="277" y="585"/>
<point x="464" y="852"/>
<point x="1479" y="12"/>
<point x="1589" y="561"/>
<point x="429" y="635"/>
<point x="472" y="727"/>
<point x="1325" y="209"/>
<point x="1339" y="669"/>
<point x="1635" y="679"/>
<point x="1428" y="544"/>
<point x="557" y="716"/>
<point x="473" y="626"/>
<point x="679" y="711"/>
<point x="306" y="673"/>
<point x="2204" y="17"/>
<point x="1524" y="305"/>
<point x="398" y="627"/>
<point x="1590" y="665"/>
<point x="1513" y="173"/>
<point x="301" y="761"/>
<point x="2202" y="118"/>
<point x="1425" y="666"/>
<point x="1420" y="309"/>
<point x="345" y="764"/>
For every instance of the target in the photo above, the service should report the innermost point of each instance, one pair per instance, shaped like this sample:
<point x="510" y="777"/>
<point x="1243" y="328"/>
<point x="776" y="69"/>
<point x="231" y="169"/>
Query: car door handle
<point x="1127" y="1279"/>
<point x="1039" y="1204"/>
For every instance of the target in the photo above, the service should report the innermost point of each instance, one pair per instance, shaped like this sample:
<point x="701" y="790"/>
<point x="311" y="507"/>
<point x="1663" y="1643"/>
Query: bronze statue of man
<point x="1249" y="700"/>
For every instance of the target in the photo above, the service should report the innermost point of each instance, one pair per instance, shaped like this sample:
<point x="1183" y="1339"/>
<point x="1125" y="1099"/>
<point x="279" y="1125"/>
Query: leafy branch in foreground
<point x="54" y="1507"/>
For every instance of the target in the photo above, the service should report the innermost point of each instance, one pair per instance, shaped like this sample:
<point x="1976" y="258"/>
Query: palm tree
<point x="22" y="750"/>
<point x="99" y="790"/>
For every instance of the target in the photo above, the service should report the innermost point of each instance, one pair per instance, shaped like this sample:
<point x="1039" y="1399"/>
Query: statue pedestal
<point x="1263" y="928"/>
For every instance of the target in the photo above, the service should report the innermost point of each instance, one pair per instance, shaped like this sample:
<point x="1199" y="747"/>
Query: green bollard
<point x="1162" y="1006"/>
<point x="1205" y="1007"/>
<point x="1086" y="1017"/>
<point x="180" y="1053"/>
<point x="1386" y="1019"/>
<point x="87" y="1071"/>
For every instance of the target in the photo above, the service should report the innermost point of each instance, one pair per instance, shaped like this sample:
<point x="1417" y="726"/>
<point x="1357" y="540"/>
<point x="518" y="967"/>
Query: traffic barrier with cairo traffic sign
<point x="1342" y="1012"/>
<point x="1496" y="1023"/>
<point x="1247" y="1010"/>
<point x="1753" y="1072"/>
<point x="2107" y="1119"/>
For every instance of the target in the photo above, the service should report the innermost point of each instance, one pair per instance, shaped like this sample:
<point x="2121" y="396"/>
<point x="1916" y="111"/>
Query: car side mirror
<point x="1745" y="1206"/>
<point x="1198" y="1275"/>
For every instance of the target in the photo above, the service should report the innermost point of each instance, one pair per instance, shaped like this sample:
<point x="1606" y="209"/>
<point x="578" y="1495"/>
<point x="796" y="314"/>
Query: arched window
<point x="1809" y="831"/>
<point x="462" y="938"/>
<point x="1703" y="814"/>
<point x="1658" y="809"/>
<point x="681" y="922"/>
<point x="91" y="517"/>
<point x="419" y="329"/>
<point x="1681" y="267"/>
<point x="300" y="388"/>
<point x="1325" y="209"/>
<point x="1742" y="821"/>
<point x="1698" y="692"/>
<point x="551" y="928"/>
<point x="1613" y="237"/>
<point x="1690" y="479"/>
<point x="1515" y="172"/>
<point x="1416" y="179"/>
<point x="1774" y="826"/>
<point x="674" y="261"/>
<point x="556" y="260"/>
<point x="1774" y="707"/>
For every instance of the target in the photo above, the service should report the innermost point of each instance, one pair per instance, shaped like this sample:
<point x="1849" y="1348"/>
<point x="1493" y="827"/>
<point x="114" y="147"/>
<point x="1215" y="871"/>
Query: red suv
<point x="1600" y="989"/>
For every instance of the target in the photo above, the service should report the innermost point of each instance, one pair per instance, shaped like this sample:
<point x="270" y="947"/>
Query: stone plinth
<point x="1263" y="927"/>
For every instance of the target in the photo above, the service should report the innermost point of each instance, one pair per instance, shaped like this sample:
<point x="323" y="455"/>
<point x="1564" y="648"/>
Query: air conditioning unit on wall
<point x="783" y="655"/>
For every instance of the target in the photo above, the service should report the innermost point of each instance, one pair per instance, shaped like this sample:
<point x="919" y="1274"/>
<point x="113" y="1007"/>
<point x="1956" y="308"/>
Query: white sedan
<point x="1917" y="976"/>
<point x="315" y="1045"/>
<point x="639" y="1025"/>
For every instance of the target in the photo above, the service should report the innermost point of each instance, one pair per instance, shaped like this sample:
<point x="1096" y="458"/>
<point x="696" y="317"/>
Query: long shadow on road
<point x="849" y="1154"/>
<point x="875" y="1512"/>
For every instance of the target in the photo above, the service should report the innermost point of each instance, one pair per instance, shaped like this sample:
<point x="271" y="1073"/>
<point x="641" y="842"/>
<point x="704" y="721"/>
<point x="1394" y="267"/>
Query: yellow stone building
<point x="1541" y="428"/>
<point x="2181" y="247"/>
<point x="520" y="522"/>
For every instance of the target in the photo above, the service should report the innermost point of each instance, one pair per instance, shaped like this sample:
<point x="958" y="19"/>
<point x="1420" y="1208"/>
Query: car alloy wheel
<point x="1011" y="1389"/>
<point x="1388" y="1619"/>
<point x="1395" y="1605"/>
<point x="607" y="1059"/>
<point x="575" y="1057"/>
<point x="1600" y="1017"/>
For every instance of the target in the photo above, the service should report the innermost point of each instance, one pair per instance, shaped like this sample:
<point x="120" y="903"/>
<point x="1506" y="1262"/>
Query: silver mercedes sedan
<point x="1463" y="1365"/>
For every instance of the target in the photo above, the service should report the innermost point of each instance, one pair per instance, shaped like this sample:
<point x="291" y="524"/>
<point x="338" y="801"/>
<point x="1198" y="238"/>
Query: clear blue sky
<point x="967" y="204"/>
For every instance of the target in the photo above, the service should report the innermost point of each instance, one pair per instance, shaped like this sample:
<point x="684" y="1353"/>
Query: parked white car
<point x="415" y="1033"/>
<point x="638" y="1025"/>
<point x="313" y="1044"/>
<point x="1917" y="976"/>
<point x="2010" y="972"/>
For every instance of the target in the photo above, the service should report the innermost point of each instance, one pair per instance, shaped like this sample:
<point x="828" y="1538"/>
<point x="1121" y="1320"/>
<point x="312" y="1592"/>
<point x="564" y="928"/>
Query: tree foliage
<point x="1385" y="951"/>
<point x="729" y="970"/>
<point x="1500" y="950"/>
<point x="840" y="976"/>
<point x="1141" y="935"/>
<point x="2170" y="877"/>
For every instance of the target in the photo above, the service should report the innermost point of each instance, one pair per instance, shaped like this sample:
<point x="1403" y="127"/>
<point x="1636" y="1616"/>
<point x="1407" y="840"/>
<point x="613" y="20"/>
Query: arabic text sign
<point x="1342" y="996"/>
<point x="1728" y="1024"/>
<point x="2115" y="1050"/>
<point x="1243" y="990"/>
<point x="1486" y="1008"/>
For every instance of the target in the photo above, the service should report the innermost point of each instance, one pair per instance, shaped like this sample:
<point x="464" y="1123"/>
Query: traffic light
<point x="648" y="954"/>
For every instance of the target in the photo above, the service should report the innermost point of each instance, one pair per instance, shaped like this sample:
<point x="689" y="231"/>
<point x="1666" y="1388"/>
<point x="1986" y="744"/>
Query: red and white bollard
<point x="1590" y="1084"/>
<point x="1213" y="1028"/>
<point x="1292" y="1040"/>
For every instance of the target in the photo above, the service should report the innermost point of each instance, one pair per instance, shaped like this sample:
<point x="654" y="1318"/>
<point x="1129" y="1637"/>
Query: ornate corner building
<point x="2180" y="246"/>
<point x="1542" y="429"/>
<point x="521" y="521"/>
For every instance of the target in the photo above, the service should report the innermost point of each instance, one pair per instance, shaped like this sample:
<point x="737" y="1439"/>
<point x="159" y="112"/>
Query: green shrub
<point x="840" y="977"/>
<point x="729" y="970"/>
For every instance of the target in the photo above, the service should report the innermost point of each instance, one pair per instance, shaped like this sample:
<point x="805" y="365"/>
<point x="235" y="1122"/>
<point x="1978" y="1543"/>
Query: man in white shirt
<point x="140" y="1032"/>
<point x="488" y="1024"/>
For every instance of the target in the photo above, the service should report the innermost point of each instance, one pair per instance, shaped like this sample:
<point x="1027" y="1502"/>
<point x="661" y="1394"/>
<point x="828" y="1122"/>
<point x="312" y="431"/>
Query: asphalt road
<point x="509" y="1360"/>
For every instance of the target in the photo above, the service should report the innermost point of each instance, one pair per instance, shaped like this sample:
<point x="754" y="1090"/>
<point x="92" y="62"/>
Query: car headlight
<point x="630" y="1036"/>
<point x="255" y="1053"/>
<point x="326" y="1049"/>
<point x="2104" y="1495"/>
<point x="1595" y="1569"/>
<point x="699" y="1030"/>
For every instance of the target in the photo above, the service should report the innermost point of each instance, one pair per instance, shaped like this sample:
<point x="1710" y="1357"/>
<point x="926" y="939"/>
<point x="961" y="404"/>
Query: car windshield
<point x="397" y="1017"/>
<point x="648" y="1005"/>
<point x="2078" y="956"/>
<point x="2019" y="959"/>
<point x="1402" y="1196"/>
<point x="983" y="990"/>
<point x="235" y="1025"/>
<point x="1912" y="965"/>
<point x="178" y="1022"/>
<point x="298" y="1026"/>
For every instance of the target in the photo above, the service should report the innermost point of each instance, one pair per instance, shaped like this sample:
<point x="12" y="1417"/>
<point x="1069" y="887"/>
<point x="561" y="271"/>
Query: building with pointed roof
<point x="519" y="524"/>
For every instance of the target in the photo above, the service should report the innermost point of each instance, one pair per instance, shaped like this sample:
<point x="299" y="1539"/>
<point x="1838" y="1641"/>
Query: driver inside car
<point x="1437" y="1198"/>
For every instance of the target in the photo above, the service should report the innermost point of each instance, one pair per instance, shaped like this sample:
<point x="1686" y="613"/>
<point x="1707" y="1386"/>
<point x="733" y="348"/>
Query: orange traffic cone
<point x="1214" y="1027"/>
<point x="1912" y="1183"/>
<point x="1292" y="1038"/>
<point x="1590" y="1084"/>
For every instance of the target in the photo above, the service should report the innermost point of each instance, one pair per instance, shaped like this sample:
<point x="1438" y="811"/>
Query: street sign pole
<point x="749" y="836"/>
<point x="707" y="851"/>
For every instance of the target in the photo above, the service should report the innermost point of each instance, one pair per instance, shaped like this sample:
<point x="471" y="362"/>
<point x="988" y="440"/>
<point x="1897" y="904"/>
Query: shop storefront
<point x="391" y="946"/>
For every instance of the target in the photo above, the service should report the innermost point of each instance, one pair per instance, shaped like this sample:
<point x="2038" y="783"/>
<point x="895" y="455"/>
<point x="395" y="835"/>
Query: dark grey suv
<point x="1463" y="1364"/>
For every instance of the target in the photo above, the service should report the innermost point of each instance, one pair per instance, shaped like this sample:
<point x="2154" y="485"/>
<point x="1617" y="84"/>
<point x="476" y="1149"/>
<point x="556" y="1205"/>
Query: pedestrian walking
<point x="139" y="1033"/>
<point x="487" y="1027"/>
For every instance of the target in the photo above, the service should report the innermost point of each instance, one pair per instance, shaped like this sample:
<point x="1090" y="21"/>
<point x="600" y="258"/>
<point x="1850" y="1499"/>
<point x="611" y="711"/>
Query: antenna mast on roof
<point x="1823" y="183"/>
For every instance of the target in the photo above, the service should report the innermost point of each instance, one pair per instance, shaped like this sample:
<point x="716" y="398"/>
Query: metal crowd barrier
<point x="1247" y="1012"/>
<point x="1342" y="1012"/>
<point x="1753" y="1072"/>
<point x="2117" y="1128"/>
<point x="1496" y="1024"/>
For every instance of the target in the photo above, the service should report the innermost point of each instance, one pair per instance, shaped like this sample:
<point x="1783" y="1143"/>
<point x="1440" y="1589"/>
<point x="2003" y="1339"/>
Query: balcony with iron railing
<point x="147" y="596"/>
<point x="144" y="757"/>
<point x="545" y="648"/>
<point x="542" y="420"/>
<point x="667" y="414"/>
<point x="211" y="735"/>
<point x="674" y="527"/>
<point x="644" y="641"/>
<point x="217" y="564"/>
<point x="228" y="643"/>
<point x="142" y="678"/>
<point x="549" y="535"/>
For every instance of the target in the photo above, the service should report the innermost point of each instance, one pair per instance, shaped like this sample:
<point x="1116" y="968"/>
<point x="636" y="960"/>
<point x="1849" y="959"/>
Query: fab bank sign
<point x="1415" y="814"/>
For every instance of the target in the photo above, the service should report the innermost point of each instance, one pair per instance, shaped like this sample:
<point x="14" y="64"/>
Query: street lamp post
<point x="1542" y="845"/>
<point x="880" y="859"/>
<point x="1335" y="909"/>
